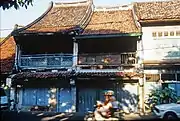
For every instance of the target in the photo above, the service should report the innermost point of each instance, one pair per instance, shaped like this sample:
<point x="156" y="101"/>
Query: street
<point x="51" y="116"/>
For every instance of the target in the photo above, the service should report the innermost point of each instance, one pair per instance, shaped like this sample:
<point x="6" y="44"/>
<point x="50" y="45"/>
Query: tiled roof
<point x="61" y="17"/>
<point x="7" y="55"/>
<point x="111" y="22"/>
<point x="42" y="75"/>
<point x="109" y="74"/>
<point x="158" y="10"/>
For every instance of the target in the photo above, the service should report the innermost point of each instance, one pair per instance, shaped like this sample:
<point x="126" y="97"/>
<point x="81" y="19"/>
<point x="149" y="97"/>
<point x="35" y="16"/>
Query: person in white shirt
<point x="103" y="110"/>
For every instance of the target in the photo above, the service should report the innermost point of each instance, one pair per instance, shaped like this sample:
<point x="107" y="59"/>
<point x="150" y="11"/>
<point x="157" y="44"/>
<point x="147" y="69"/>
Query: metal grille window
<point x="168" y="77"/>
<point x="178" y="77"/>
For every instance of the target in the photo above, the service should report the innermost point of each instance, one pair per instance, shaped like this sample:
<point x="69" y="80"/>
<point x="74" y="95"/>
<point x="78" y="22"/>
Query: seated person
<point x="104" y="110"/>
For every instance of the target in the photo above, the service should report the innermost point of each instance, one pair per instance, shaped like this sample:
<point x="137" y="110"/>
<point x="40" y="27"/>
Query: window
<point x="172" y="33"/>
<point x="178" y="33"/>
<point x="168" y="77"/>
<point x="178" y="77"/>
<point x="154" y="34"/>
<point x="166" y="33"/>
<point x="159" y="34"/>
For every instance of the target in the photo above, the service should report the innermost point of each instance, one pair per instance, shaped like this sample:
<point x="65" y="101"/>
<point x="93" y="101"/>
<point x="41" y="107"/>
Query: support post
<point x="141" y="95"/>
<point x="8" y="84"/>
<point x="140" y="52"/>
<point x="73" y="94"/>
<point x="75" y="52"/>
<point x="15" y="98"/>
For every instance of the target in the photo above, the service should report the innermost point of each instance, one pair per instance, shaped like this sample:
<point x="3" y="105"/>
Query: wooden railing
<point x="107" y="59"/>
<point x="46" y="61"/>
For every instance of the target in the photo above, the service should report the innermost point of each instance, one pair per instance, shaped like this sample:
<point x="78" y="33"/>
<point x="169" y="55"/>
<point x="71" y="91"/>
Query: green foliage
<point x="6" y="4"/>
<point x="161" y="96"/>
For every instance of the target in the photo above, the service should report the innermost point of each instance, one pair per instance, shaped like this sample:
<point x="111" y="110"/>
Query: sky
<point x="22" y="16"/>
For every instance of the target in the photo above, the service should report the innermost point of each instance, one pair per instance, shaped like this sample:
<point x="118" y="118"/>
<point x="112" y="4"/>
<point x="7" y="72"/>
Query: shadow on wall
<point x="128" y="97"/>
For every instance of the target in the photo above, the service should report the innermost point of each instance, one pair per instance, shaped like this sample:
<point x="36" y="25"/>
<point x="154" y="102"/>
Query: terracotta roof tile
<point x="42" y="75"/>
<point x="158" y="10"/>
<point x="109" y="22"/>
<point x="7" y="55"/>
<point x="61" y="17"/>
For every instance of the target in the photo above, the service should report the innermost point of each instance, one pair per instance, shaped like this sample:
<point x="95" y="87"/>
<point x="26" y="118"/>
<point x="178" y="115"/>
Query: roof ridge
<point x="111" y="8"/>
<point x="70" y="4"/>
<point x="156" y="1"/>
<point x="35" y="21"/>
<point x="87" y="15"/>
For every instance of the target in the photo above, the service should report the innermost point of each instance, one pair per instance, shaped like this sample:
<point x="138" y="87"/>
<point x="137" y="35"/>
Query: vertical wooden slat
<point x="42" y="97"/>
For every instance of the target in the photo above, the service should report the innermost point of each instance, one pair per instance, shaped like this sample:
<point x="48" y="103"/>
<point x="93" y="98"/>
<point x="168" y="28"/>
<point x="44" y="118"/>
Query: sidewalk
<point x="132" y="116"/>
<point x="52" y="116"/>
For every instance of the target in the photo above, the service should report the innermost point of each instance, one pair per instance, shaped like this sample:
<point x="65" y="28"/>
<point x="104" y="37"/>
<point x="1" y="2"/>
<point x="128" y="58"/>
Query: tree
<point x="6" y="4"/>
<point x="161" y="96"/>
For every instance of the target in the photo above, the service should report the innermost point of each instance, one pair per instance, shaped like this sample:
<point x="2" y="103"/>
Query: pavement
<point x="149" y="116"/>
<point x="52" y="116"/>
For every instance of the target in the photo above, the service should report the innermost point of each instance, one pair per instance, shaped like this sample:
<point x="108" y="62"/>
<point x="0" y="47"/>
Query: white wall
<point x="157" y="48"/>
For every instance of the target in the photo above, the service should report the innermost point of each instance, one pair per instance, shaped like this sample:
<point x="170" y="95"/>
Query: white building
<point x="159" y="50"/>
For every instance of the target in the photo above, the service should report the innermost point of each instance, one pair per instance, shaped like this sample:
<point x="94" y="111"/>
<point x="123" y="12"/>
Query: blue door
<point x="87" y="98"/>
<point x="35" y="96"/>
<point x="64" y="99"/>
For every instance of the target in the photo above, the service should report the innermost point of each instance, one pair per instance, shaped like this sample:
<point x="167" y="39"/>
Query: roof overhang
<point x="108" y="35"/>
<point x="156" y="22"/>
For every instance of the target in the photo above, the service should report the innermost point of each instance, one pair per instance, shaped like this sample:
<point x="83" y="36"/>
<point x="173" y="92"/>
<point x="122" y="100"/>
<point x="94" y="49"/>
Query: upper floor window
<point x="159" y="34"/>
<point x="171" y="33"/>
<point x="154" y="34"/>
<point x="166" y="34"/>
<point x="178" y="33"/>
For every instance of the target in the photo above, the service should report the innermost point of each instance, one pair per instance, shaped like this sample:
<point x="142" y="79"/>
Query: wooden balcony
<point x="107" y="59"/>
<point x="46" y="61"/>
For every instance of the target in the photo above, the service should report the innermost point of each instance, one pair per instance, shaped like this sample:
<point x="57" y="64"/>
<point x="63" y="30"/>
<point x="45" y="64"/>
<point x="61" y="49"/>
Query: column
<point x="8" y="85"/>
<point x="141" y="94"/>
<point x="73" y="94"/>
<point x="15" y="98"/>
<point x="75" y="52"/>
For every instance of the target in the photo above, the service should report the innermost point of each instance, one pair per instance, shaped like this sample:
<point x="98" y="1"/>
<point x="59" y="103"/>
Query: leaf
<point x="25" y="6"/>
<point x="16" y="6"/>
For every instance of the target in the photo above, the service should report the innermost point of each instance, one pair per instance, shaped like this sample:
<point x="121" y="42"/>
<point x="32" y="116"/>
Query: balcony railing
<point x="46" y="61"/>
<point x="107" y="59"/>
